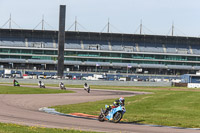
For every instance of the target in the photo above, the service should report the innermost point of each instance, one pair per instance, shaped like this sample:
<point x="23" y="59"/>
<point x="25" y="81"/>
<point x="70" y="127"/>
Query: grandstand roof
<point x="97" y="36"/>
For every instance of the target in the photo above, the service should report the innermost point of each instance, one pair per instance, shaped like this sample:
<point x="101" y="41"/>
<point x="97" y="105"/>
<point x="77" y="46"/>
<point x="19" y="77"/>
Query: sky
<point x="124" y="16"/>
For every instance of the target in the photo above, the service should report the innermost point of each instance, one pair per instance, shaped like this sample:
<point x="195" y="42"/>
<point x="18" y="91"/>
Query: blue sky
<point x="125" y="15"/>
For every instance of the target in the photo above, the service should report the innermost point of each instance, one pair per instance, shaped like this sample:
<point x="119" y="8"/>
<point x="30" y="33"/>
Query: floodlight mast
<point x="61" y="41"/>
<point x="173" y="29"/>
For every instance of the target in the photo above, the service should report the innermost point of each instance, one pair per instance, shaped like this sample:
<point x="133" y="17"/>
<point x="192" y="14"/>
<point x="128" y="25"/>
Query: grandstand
<point x="105" y="52"/>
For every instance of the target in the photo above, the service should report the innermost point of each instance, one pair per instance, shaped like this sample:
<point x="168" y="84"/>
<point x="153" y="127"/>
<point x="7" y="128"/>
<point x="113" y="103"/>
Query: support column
<point x="61" y="41"/>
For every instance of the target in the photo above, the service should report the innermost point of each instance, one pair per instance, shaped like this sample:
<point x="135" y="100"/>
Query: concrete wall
<point x="81" y="82"/>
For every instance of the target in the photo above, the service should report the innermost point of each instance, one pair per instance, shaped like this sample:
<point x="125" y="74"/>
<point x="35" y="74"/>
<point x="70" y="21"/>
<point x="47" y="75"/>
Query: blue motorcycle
<point x="114" y="114"/>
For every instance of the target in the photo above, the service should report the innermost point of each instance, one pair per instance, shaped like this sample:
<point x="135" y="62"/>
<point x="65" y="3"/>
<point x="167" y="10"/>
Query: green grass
<point x="15" y="128"/>
<point x="170" y="106"/>
<point x="29" y="90"/>
<point x="167" y="106"/>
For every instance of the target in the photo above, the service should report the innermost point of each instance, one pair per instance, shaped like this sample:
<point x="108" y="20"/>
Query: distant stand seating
<point x="170" y="48"/>
<point x="92" y="45"/>
<point x="195" y="49"/>
<point x="102" y="45"/>
<point x="12" y="42"/>
<point x="72" y="44"/>
<point x="116" y="46"/>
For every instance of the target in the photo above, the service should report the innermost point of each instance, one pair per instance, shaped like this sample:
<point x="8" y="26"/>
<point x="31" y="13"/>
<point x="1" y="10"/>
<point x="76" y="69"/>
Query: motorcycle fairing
<point x="113" y="111"/>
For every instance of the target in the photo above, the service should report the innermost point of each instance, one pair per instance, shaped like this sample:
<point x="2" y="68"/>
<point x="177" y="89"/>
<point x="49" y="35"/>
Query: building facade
<point x="102" y="52"/>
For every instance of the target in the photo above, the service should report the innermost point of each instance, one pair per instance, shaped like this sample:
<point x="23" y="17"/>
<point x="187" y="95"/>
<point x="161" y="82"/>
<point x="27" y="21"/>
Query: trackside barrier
<point x="193" y="85"/>
<point x="90" y="82"/>
<point x="180" y="84"/>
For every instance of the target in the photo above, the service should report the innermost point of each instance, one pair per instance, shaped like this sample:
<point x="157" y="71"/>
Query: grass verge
<point x="15" y="128"/>
<point x="167" y="106"/>
<point x="29" y="90"/>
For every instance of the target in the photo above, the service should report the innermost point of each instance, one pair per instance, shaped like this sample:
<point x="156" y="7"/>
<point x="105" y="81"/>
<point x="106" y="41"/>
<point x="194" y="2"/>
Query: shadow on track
<point x="133" y="122"/>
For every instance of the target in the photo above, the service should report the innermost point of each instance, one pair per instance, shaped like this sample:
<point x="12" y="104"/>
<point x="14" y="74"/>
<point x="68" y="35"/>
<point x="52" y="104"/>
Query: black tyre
<point x="117" y="117"/>
<point x="101" y="117"/>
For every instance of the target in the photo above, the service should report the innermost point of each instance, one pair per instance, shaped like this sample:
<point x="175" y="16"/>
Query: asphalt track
<point x="24" y="109"/>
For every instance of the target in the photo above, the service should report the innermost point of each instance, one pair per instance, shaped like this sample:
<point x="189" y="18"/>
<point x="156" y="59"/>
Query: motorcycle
<point x="62" y="87"/>
<point x="114" y="114"/>
<point x="16" y="84"/>
<point x="41" y="85"/>
<point x="87" y="88"/>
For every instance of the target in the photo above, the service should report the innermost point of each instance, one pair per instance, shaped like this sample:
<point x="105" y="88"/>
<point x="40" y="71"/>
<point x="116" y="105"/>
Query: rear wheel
<point x="117" y="117"/>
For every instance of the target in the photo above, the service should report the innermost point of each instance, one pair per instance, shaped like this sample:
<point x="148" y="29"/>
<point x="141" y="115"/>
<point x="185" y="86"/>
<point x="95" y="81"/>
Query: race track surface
<point x="24" y="109"/>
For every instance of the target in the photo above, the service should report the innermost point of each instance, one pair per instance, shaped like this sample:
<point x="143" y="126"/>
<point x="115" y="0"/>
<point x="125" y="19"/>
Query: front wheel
<point x="101" y="117"/>
<point x="117" y="117"/>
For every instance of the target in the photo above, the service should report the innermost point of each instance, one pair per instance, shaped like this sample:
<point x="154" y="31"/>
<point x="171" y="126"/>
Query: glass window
<point x="93" y="54"/>
<point x="37" y="51"/>
<point x="26" y="51"/>
<point x="14" y="56"/>
<point x="25" y="57"/>
<point x="14" y="51"/>
<point x="70" y="59"/>
<point x="118" y="61"/>
<point x="115" y="55"/>
<point x="159" y="57"/>
<point x="105" y="54"/>
<point x="4" y="56"/>
<point x="126" y="55"/>
<point x="70" y="53"/>
<point x="137" y="56"/>
<point x="5" y="50"/>
<point x="48" y="52"/>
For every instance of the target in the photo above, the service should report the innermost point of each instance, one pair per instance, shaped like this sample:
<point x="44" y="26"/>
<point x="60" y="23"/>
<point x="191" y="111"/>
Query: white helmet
<point x="121" y="100"/>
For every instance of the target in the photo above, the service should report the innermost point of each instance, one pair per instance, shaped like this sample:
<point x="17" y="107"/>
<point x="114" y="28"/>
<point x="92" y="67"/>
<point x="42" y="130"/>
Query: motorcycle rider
<point x="62" y="86"/>
<point x="15" y="83"/>
<point x="115" y="104"/>
<point x="61" y="83"/>
<point x="86" y="87"/>
<point x="41" y="84"/>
